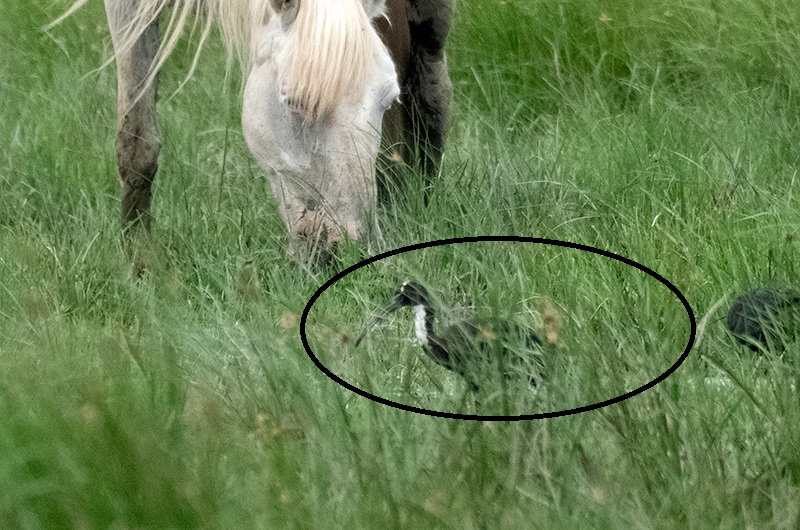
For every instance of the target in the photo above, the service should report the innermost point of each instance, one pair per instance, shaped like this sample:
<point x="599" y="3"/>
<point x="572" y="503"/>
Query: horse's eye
<point x="389" y="94"/>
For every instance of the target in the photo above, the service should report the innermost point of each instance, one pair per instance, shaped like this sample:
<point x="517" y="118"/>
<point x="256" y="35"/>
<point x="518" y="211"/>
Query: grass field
<point x="666" y="131"/>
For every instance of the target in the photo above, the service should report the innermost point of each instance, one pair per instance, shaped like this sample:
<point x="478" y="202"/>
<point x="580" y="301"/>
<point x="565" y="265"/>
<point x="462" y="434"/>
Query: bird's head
<point x="408" y="295"/>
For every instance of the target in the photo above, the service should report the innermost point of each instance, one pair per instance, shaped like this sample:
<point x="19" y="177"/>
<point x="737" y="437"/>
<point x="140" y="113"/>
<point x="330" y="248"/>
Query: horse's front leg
<point x="138" y="144"/>
<point x="429" y="85"/>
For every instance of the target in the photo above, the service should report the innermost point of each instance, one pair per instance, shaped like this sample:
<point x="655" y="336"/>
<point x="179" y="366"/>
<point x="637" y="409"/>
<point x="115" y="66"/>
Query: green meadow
<point x="160" y="382"/>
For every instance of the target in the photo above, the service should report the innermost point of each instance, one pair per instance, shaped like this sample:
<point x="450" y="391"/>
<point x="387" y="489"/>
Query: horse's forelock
<point x="327" y="56"/>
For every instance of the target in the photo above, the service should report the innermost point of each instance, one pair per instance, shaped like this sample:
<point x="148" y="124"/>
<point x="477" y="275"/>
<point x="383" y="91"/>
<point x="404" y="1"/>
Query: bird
<point x="469" y="348"/>
<point x="762" y="317"/>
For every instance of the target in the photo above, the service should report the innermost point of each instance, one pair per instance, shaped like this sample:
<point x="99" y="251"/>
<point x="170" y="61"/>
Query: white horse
<point x="321" y="78"/>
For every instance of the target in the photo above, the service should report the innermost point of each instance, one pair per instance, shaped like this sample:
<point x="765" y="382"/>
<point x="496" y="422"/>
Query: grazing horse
<point x="323" y="73"/>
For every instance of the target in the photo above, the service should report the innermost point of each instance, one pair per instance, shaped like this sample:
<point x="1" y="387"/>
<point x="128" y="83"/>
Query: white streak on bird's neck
<point x="419" y="325"/>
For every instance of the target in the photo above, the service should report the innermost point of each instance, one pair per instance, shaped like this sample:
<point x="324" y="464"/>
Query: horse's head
<point x="313" y="105"/>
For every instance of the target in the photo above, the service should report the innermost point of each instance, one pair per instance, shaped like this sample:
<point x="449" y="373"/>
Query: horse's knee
<point x="431" y="92"/>
<point x="429" y="26"/>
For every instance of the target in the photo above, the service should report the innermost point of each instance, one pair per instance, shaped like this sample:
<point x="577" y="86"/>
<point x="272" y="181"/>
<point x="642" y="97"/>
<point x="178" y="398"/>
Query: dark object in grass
<point x="764" y="317"/>
<point x="469" y="348"/>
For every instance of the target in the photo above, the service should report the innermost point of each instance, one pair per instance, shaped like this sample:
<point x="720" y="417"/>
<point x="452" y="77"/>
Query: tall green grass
<point x="664" y="131"/>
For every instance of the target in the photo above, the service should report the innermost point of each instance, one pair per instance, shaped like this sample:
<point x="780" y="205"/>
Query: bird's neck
<point x="423" y="323"/>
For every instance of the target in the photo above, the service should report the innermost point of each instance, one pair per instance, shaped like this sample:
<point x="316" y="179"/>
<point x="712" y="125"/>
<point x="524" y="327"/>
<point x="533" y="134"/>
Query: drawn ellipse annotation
<point x="506" y="239"/>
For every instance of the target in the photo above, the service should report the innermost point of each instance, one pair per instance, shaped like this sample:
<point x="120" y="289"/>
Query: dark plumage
<point x="470" y="348"/>
<point x="765" y="317"/>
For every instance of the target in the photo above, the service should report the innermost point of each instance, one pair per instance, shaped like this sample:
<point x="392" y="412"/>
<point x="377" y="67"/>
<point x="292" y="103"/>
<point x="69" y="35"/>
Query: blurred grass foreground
<point x="666" y="131"/>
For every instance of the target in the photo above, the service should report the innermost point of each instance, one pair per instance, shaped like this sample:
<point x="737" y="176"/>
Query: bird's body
<point x="762" y="317"/>
<point x="476" y="350"/>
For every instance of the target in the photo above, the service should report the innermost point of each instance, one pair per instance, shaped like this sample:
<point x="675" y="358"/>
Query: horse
<point x="324" y="76"/>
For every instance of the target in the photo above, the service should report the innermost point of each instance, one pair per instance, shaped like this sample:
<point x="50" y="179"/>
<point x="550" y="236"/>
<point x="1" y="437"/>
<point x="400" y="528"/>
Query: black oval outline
<point x="513" y="239"/>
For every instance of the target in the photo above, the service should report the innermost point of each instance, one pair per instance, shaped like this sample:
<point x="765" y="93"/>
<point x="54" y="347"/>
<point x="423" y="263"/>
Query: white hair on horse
<point x="329" y="49"/>
<point x="327" y="55"/>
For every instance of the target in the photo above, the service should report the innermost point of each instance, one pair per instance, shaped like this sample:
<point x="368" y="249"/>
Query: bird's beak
<point x="386" y="310"/>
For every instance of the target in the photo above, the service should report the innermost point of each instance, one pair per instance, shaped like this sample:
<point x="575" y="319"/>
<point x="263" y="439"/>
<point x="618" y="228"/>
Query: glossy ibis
<point x="473" y="349"/>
